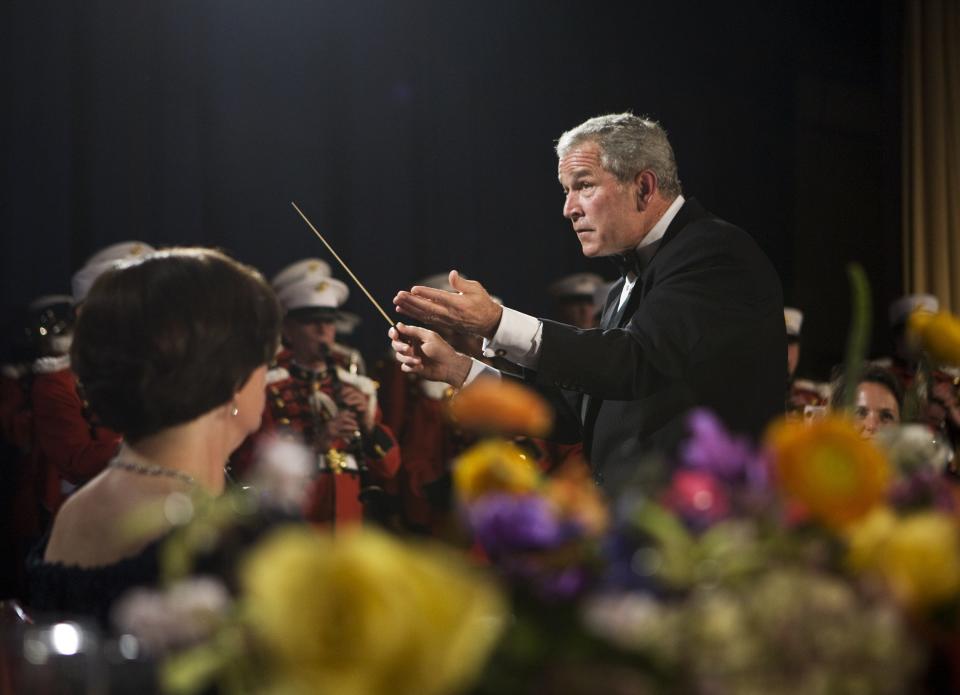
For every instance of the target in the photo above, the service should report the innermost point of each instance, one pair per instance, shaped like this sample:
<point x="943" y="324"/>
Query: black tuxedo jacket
<point x="703" y="327"/>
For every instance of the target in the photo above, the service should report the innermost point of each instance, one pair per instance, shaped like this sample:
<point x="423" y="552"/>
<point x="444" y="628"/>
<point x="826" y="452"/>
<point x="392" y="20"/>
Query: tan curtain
<point x="931" y="158"/>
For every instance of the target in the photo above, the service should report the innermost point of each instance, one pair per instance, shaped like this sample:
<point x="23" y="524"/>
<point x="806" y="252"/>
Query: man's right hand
<point x="423" y="352"/>
<point x="469" y="309"/>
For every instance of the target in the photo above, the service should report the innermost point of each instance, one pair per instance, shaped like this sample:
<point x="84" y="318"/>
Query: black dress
<point x="60" y="591"/>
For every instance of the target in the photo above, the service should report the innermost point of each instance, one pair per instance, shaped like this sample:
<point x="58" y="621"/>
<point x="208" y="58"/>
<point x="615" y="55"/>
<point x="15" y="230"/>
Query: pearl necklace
<point x="152" y="470"/>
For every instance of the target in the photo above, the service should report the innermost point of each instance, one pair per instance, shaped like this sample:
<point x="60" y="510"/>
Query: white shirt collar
<point x="660" y="228"/>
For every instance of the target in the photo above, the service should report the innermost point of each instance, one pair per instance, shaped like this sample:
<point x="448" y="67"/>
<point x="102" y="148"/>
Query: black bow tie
<point x="635" y="261"/>
<point x="627" y="263"/>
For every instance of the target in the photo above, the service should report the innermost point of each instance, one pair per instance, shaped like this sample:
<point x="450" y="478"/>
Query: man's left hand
<point x="468" y="310"/>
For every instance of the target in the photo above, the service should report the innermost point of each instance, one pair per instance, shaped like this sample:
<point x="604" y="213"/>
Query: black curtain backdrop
<point x="418" y="135"/>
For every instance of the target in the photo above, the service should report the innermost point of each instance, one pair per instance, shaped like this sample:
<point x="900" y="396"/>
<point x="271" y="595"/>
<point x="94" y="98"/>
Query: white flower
<point x="187" y="613"/>
<point x="634" y="621"/>
<point x="283" y="471"/>
<point x="912" y="447"/>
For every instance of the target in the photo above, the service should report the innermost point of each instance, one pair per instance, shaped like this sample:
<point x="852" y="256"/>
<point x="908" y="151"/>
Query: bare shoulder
<point x="73" y="524"/>
<point x="92" y="529"/>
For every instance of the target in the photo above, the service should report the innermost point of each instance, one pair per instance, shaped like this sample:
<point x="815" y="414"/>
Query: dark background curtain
<point x="418" y="135"/>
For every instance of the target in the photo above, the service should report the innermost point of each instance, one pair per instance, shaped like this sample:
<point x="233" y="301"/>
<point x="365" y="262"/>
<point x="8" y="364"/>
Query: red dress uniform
<point x="416" y="409"/>
<point x="803" y="393"/>
<point x="552" y="456"/>
<point x="302" y="403"/>
<point x="16" y="419"/>
<point x="69" y="446"/>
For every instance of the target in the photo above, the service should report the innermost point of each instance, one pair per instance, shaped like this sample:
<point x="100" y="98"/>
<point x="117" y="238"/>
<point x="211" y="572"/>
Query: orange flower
<point x="505" y="407"/>
<point x="938" y="334"/>
<point x="576" y="496"/>
<point x="828" y="468"/>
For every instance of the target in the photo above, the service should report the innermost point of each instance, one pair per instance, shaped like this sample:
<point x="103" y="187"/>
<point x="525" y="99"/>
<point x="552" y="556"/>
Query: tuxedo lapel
<point x="610" y="307"/>
<point x="614" y="318"/>
<point x="607" y="319"/>
<point x="690" y="211"/>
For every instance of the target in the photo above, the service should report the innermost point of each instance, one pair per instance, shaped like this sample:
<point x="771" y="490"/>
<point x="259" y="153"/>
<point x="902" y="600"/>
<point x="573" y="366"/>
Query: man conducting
<point x="696" y="319"/>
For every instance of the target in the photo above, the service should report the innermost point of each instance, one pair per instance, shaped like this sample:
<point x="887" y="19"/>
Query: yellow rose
<point x="938" y="334"/>
<point x="361" y="613"/>
<point x="826" y="466"/>
<point x="867" y="537"/>
<point x="920" y="560"/>
<point x="494" y="466"/>
<point x="917" y="557"/>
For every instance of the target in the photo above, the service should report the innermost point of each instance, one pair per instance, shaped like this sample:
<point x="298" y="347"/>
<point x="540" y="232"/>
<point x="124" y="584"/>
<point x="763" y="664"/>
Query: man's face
<point x="309" y="338"/>
<point x="603" y="209"/>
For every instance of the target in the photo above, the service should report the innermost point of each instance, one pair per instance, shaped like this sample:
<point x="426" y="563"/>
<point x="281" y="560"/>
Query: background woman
<point x="878" y="402"/>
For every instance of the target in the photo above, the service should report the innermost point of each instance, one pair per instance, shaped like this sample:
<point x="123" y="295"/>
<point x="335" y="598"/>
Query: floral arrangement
<point x="810" y="564"/>
<point x="814" y="561"/>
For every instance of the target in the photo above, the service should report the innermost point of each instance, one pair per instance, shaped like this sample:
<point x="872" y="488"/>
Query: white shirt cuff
<point x="517" y="338"/>
<point x="478" y="369"/>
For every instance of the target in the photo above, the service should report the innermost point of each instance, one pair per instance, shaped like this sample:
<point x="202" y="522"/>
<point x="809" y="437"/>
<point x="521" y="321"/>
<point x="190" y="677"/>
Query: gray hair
<point x="628" y="145"/>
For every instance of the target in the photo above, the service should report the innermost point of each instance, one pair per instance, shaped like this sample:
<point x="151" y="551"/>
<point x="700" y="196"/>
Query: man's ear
<point x="646" y="183"/>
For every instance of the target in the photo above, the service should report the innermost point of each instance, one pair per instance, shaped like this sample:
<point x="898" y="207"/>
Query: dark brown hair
<point x="172" y="336"/>
<point x="872" y="374"/>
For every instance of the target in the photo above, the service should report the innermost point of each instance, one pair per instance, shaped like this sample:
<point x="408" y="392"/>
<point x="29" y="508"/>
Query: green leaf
<point x="859" y="337"/>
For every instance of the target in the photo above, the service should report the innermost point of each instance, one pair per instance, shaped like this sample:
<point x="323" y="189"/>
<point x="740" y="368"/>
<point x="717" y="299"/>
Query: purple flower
<point x="563" y="583"/>
<point x="525" y="539"/>
<point x="510" y="523"/>
<point x="714" y="450"/>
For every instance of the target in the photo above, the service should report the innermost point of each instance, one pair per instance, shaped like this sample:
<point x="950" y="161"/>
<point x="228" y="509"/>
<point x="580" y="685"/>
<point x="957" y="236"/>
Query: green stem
<point x="859" y="336"/>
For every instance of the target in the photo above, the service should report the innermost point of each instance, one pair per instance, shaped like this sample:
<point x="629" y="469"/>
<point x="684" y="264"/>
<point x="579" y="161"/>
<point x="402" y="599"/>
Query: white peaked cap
<point x="102" y="261"/>
<point x="576" y="285"/>
<point x="901" y="308"/>
<point x="48" y="300"/>
<point x="793" y="318"/>
<point x="312" y="268"/>
<point x="83" y="279"/>
<point x="321" y="293"/>
<point x="121" y="251"/>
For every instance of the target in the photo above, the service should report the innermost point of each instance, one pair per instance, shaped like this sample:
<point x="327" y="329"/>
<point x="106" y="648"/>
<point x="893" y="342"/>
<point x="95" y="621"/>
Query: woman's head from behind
<point x="171" y="337"/>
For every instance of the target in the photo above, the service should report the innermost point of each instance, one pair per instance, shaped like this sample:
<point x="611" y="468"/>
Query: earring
<point x="235" y="410"/>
